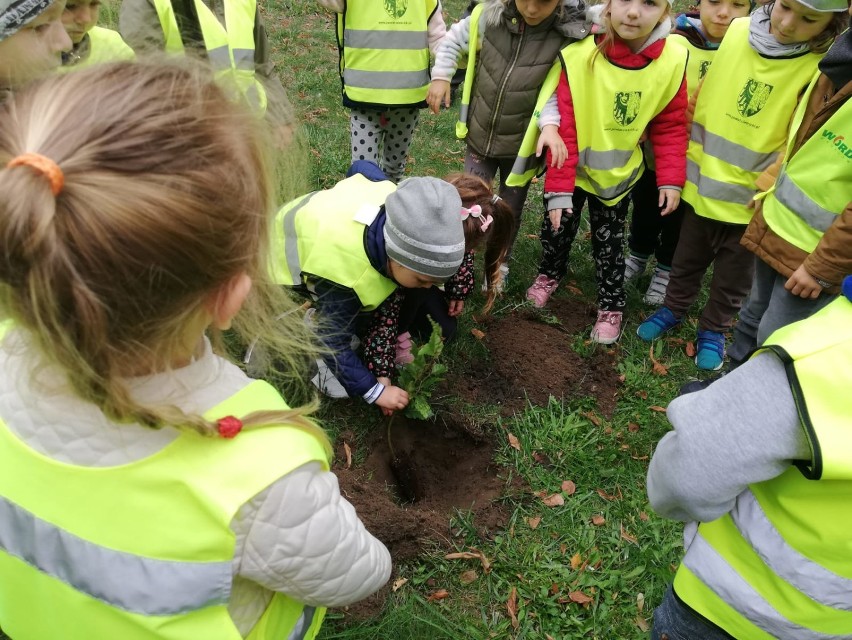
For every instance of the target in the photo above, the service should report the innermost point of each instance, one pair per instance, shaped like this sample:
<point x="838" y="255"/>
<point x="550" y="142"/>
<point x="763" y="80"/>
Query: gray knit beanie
<point x="15" y="14"/>
<point x="423" y="228"/>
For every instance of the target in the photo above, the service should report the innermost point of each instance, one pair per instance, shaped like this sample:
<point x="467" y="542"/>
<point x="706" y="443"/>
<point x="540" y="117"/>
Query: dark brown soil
<point x="530" y="358"/>
<point x="533" y="359"/>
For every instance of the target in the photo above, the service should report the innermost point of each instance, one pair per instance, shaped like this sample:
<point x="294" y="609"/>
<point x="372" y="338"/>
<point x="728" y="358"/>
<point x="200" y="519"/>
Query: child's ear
<point x="224" y="303"/>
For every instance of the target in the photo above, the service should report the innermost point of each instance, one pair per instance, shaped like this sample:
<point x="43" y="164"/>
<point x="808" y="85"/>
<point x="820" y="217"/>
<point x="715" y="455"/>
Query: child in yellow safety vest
<point x="32" y="40"/>
<point x="614" y="87"/>
<point x="650" y="233"/>
<point x="167" y="494"/>
<point x="741" y="115"/>
<point x="92" y="44"/>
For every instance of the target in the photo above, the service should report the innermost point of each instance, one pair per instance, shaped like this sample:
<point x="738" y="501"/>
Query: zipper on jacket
<point x="503" y="89"/>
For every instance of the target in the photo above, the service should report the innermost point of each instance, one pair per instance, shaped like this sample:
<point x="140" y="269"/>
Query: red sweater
<point x="667" y="130"/>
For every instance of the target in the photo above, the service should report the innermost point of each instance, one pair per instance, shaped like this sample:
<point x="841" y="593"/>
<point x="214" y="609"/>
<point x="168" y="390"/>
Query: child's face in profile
<point x="35" y="49"/>
<point x="716" y="16"/>
<point x="408" y="279"/>
<point x="536" y="11"/>
<point x="792" y="22"/>
<point x="79" y="17"/>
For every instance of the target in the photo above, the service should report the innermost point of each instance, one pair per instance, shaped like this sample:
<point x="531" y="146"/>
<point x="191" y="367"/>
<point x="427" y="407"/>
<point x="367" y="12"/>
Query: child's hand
<point x="803" y="284"/>
<point x="669" y="200"/>
<point x="392" y="398"/>
<point x="456" y="307"/>
<point x="439" y="94"/>
<point x="556" y="217"/>
<point x="550" y="138"/>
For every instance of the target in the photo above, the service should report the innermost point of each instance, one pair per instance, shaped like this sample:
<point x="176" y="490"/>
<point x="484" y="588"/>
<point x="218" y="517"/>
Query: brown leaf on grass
<point x="598" y="520"/>
<point x="609" y="496"/>
<point x="690" y="349"/>
<point x="348" y="451"/>
<point x="576" y="561"/>
<point x="641" y="394"/>
<point x="534" y="180"/>
<point x="633" y="427"/>
<point x="643" y="625"/>
<point x="514" y="442"/>
<point x="595" y="420"/>
<point x="580" y="598"/>
<point x="626" y="536"/>
<point x="640" y="601"/>
<point x="659" y="368"/>
<point x="554" y="589"/>
<point x="476" y="333"/>
<point x="547" y="636"/>
<point x="574" y="290"/>
<point x="643" y="516"/>
<point x="313" y="114"/>
<point x="398" y="583"/>
<point x="569" y="488"/>
<point x="554" y="500"/>
<point x="657" y="408"/>
<point x="534" y="522"/>
<point x="468" y="576"/>
<point x="512" y="608"/>
<point x="563" y="548"/>
<point x="473" y="554"/>
<point x="532" y="236"/>
<point x="440" y="594"/>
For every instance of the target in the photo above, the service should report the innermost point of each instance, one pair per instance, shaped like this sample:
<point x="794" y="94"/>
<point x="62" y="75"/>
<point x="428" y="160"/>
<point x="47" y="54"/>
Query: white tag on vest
<point x="366" y="214"/>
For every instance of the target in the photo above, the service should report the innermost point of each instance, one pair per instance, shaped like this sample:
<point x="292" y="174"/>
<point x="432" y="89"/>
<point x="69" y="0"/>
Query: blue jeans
<point x="674" y="621"/>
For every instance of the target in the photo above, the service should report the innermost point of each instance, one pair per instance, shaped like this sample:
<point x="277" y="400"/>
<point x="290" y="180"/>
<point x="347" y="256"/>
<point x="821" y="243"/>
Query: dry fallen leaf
<point x="643" y="516"/>
<point x="398" y="583"/>
<point x="476" y="333"/>
<point x="348" y="450"/>
<point x="598" y="520"/>
<point x="690" y="349"/>
<point x="547" y="636"/>
<point x="534" y="522"/>
<point x="569" y="488"/>
<point x="580" y="598"/>
<point x="657" y="408"/>
<point x="574" y="290"/>
<point x="468" y="576"/>
<point x="643" y="625"/>
<point x="473" y="554"/>
<point x="640" y="601"/>
<point x="514" y="442"/>
<point x="563" y="548"/>
<point x="627" y="536"/>
<point x="576" y="561"/>
<point x="555" y="500"/>
<point x="532" y="236"/>
<point x="609" y="496"/>
<point x="593" y="418"/>
<point x="512" y="608"/>
<point x="633" y="427"/>
<point x="440" y="594"/>
<point x="659" y="368"/>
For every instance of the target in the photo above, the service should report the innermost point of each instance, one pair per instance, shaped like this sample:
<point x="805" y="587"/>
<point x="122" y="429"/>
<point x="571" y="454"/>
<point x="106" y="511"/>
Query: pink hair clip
<point x="475" y="211"/>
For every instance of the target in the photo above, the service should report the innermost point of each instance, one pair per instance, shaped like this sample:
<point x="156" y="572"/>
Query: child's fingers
<point x="555" y="216"/>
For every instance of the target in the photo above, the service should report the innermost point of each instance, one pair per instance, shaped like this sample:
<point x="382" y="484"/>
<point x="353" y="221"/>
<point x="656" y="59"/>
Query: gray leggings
<point x="383" y="138"/>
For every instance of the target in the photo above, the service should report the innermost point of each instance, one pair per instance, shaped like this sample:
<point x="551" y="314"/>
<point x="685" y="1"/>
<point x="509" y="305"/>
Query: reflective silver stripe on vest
<point x="291" y="240"/>
<point x="133" y="583"/>
<point x="463" y="109"/>
<point x="386" y="79"/>
<point x="812" y="579"/>
<point x="731" y="152"/>
<point x="712" y="569"/>
<point x="524" y="164"/>
<point x="609" y="193"/>
<point x="220" y="57"/>
<point x="365" y="39"/>
<point x="303" y="624"/>
<point x="716" y="189"/>
<point x="604" y="160"/>
<point x="795" y="199"/>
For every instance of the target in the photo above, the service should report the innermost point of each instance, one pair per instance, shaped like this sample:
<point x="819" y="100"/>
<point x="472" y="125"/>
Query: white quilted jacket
<point x="298" y="536"/>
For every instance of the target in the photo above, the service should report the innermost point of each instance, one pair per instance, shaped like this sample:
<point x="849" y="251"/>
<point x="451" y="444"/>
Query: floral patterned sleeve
<point x="460" y="284"/>
<point x="380" y="340"/>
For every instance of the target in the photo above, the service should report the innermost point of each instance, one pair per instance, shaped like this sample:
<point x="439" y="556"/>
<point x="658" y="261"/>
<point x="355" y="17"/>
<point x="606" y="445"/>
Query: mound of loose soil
<point x="455" y="470"/>
<point x="532" y="358"/>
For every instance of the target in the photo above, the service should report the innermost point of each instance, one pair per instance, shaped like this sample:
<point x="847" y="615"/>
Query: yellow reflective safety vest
<point x="612" y="106"/>
<point x="474" y="45"/>
<point x="700" y="59"/>
<point x="230" y="47"/>
<point x="740" y="125"/>
<point x="144" y="550"/>
<point x="814" y="185"/>
<point x="384" y="51"/>
<point x="778" y="564"/>
<point x="105" y="45"/>
<point x="322" y="234"/>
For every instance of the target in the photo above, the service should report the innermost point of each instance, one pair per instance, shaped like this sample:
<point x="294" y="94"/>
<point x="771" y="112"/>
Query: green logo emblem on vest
<point x="753" y="97"/>
<point x="702" y="68"/>
<point x="396" y="8"/>
<point x="626" y="106"/>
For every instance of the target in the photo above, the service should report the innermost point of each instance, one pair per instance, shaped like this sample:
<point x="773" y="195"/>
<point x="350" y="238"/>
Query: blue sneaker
<point x="710" y="354"/>
<point x="657" y="324"/>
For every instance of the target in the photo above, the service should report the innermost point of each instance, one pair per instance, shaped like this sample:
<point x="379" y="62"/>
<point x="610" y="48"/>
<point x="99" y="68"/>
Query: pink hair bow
<point x="475" y="211"/>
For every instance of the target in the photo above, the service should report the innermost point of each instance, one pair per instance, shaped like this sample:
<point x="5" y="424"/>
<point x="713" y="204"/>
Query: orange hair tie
<point x="43" y="165"/>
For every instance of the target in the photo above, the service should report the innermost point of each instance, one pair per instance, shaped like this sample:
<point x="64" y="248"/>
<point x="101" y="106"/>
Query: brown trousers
<point x="704" y="242"/>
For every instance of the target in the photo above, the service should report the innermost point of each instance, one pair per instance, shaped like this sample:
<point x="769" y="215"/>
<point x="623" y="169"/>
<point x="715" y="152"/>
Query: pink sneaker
<point x="403" y="349"/>
<point x="541" y="290"/>
<point x="608" y="327"/>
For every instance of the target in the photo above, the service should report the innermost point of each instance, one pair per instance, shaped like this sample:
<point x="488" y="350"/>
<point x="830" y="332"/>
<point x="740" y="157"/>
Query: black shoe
<point x="699" y="385"/>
